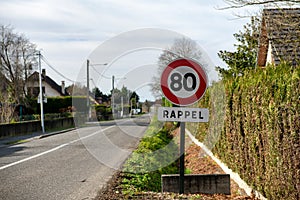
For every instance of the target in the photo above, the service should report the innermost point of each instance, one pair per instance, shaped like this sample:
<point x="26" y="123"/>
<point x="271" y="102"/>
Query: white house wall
<point x="270" y="59"/>
<point x="50" y="92"/>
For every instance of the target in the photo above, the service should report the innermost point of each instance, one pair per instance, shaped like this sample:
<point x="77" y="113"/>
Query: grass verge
<point x="156" y="155"/>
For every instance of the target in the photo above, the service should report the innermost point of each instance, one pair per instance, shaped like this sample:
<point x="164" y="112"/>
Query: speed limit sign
<point x="183" y="82"/>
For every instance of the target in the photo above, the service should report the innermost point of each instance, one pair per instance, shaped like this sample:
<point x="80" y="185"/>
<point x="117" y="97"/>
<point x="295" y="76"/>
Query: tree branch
<point x="234" y="4"/>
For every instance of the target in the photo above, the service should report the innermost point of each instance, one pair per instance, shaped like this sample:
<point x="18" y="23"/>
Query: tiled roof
<point x="282" y="29"/>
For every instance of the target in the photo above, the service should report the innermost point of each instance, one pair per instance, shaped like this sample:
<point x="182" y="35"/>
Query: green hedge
<point x="260" y="137"/>
<point x="103" y="112"/>
<point x="60" y="104"/>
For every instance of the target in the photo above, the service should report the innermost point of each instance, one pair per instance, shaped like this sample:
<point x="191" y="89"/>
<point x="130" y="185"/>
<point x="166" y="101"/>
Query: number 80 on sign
<point x="183" y="82"/>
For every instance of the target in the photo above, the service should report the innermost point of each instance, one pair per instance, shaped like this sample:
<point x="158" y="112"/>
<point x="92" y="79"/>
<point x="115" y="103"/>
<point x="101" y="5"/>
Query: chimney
<point x="44" y="72"/>
<point x="63" y="90"/>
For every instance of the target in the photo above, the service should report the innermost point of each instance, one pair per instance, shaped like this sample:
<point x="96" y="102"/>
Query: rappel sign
<point x="183" y="82"/>
<point x="180" y="114"/>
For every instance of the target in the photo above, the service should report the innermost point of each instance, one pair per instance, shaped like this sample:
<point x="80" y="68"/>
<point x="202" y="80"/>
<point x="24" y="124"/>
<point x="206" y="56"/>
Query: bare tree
<point x="245" y="3"/>
<point x="181" y="48"/>
<point x="17" y="60"/>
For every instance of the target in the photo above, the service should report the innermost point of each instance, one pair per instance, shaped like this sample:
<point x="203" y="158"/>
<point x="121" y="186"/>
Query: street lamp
<point x="88" y="87"/>
<point x="112" y="95"/>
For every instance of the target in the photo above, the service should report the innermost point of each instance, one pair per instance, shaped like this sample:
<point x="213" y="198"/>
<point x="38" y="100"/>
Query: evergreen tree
<point x="245" y="55"/>
<point x="97" y="93"/>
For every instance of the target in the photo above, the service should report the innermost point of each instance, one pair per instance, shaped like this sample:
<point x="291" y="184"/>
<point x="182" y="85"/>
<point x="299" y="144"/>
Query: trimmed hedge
<point x="103" y="112"/>
<point x="260" y="137"/>
<point x="61" y="104"/>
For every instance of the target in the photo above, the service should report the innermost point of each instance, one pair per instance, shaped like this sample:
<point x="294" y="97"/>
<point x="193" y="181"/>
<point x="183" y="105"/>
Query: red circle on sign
<point x="183" y="101"/>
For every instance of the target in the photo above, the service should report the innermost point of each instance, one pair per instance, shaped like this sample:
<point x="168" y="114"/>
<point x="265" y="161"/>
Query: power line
<point x="49" y="65"/>
<point x="100" y="73"/>
<point x="93" y="82"/>
<point x="107" y="77"/>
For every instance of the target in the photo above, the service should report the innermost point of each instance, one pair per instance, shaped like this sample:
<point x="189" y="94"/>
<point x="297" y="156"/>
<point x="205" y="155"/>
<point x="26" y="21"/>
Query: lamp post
<point x="88" y="87"/>
<point x="112" y="94"/>
<point x="88" y="90"/>
<point x="88" y="78"/>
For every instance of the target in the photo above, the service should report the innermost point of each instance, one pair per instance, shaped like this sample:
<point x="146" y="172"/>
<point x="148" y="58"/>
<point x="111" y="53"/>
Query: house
<point x="280" y="37"/>
<point x="49" y="86"/>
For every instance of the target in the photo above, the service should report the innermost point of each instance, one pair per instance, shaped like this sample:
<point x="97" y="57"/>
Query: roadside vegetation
<point x="153" y="157"/>
<point x="260" y="137"/>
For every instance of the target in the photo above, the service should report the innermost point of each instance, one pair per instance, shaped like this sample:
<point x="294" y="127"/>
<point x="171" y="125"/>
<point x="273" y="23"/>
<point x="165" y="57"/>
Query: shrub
<point x="260" y="138"/>
<point x="60" y="104"/>
<point x="103" y="112"/>
<point x="147" y="164"/>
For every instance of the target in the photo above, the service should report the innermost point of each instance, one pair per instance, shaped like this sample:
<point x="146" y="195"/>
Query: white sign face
<point x="183" y="114"/>
<point x="183" y="82"/>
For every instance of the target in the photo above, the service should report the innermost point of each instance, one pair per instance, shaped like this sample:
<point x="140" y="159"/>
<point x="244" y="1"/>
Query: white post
<point x="112" y="96"/>
<point x="122" y="105"/>
<point x="41" y="94"/>
<point x="88" y="89"/>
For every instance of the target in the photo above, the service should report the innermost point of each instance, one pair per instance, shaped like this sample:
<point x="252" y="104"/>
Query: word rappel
<point x="182" y="114"/>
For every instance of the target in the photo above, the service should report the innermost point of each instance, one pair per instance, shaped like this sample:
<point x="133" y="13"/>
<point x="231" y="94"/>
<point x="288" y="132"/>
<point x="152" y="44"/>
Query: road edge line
<point x="50" y="150"/>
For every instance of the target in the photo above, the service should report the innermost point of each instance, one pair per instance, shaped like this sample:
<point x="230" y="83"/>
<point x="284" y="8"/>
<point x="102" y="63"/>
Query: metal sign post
<point x="183" y="82"/>
<point x="182" y="149"/>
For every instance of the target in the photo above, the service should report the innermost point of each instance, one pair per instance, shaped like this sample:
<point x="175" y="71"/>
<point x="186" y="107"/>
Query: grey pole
<point x="41" y="94"/>
<point x="88" y="89"/>
<point x="112" y="95"/>
<point x="181" y="167"/>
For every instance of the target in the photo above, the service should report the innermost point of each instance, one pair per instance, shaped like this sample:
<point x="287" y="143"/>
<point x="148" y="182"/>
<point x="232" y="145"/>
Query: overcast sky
<point x="68" y="31"/>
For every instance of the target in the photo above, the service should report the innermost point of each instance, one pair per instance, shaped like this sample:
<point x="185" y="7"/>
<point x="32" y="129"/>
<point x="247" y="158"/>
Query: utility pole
<point x="41" y="93"/>
<point x="88" y="102"/>
<point x="88" y="89"/>
<point x="122" y="106"/>
<point x="112" y="95"/>
<point x="113" y="83"/>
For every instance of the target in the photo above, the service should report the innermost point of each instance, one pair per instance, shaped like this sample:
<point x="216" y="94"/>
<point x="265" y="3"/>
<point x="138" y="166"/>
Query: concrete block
<point x="196" y="183"/>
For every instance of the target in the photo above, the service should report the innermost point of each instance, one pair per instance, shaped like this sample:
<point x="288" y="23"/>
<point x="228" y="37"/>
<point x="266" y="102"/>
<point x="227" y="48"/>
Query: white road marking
<point x="53" y="149"/>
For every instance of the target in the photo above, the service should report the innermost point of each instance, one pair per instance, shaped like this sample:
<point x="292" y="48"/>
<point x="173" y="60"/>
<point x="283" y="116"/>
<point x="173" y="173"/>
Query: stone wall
<point x="29" y="127"/>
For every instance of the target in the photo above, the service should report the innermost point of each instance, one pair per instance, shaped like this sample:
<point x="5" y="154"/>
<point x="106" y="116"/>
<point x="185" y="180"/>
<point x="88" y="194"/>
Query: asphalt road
<point x="71" y="165"/>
